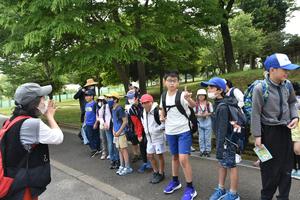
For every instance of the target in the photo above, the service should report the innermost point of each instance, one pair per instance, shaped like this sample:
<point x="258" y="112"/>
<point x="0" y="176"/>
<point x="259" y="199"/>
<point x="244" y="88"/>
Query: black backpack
<point x="193" y="122"/>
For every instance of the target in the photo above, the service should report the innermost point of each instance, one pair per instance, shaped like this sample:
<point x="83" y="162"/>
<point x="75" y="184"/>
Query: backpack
<point x="239" y="139"/>
<point x="6" y="182"/>
<point x="156" y="115"/>
<point x="265" y="91"/>
<point x="193" y="122"/>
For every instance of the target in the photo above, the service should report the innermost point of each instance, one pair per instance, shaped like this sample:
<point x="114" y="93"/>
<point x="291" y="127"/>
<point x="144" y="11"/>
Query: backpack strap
<point x="231" y="93"/>
<point x="156" y="115"/>
<point x="163" y="101"/>
<point x="104" y="111"/>
<point x="179" y="105"/>
<point x="8" y="124"/>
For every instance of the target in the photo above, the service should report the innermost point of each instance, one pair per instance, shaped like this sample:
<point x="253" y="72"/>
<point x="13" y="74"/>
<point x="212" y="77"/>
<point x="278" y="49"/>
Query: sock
<point x="221" y="187"/>
<point x="189" y="184"/>
<point x="233" y="192"/>
<point x="175" y="178"/>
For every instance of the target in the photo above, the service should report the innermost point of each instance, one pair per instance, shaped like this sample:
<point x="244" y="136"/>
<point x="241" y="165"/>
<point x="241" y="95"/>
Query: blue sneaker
<point x="142" y="168"/>
<point x="231" y="196"/>
<point x="148" y="166"/>
<point x="172" y="186"/>
<point x="125" y="171"/>
<point x="218" y="194"/>
<point x="189" y="193"/>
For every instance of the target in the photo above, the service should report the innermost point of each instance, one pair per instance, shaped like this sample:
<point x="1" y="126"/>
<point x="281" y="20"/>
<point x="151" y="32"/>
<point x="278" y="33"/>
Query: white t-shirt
<point x="176" y="123"/>
<point x="35" y="131"/>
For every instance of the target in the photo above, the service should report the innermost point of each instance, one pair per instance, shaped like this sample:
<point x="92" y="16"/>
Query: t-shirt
<point x="118" y="113"/>
<point x="90" y="113"/>
<point x="35" y="131"/>
<point x="176" y="123"/>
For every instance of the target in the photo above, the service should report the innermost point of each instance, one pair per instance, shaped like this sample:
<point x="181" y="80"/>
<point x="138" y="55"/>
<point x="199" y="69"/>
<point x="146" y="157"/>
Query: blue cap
<point x="215" y="81"/>
<point x="279" y="60"/>
<point x="89" y="93"/>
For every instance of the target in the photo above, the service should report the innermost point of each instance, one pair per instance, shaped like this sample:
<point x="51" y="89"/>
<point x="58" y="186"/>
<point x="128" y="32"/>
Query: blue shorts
<point x="180" y="144"/>
<point x="228" y="160"/>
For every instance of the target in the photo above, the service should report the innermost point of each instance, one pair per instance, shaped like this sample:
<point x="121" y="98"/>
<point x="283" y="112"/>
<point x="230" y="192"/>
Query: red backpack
<point x="6" y="182"/>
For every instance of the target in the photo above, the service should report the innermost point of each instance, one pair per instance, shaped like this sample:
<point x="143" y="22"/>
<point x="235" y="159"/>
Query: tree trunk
<point x="142" y="76"/>
<point x="228" y="49"/>
<point x="122" y="74"/>
<point x="193" y="76"/>
<point x="252" y="62"/>
<point x="161" y="80"/>
<point x="185" y="77"/>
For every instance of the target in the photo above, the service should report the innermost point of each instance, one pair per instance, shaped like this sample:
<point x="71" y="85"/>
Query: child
<point x="226" y="149"/>
<point x="154" y="131"/>
<point x="271" y="124"/>
<point x="203" y="111"/>
<point x="91" y="123"/>
<point x="178" y="135"/>
<point x="119" y="123"/>
<point x="135" y="113"/>
<point x="106" y="122"/>
<point x="100" y="103"/>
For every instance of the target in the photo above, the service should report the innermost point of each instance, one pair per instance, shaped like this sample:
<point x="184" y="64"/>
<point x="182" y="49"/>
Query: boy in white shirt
<point x="154" y="131"/>
<point x="178" y="133"/>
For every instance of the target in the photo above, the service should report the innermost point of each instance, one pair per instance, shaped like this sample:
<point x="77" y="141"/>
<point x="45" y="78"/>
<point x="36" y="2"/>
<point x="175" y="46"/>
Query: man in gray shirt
<point x="272" y="119"/>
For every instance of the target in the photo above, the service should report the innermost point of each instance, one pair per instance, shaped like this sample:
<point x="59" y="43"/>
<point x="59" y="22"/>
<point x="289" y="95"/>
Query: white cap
<point x="201" y="92"/>
<point x="135" y="84"/>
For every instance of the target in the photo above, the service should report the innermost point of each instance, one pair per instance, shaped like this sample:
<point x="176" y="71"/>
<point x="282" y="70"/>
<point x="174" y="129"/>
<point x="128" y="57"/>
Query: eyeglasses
<point x="172" y="80"/>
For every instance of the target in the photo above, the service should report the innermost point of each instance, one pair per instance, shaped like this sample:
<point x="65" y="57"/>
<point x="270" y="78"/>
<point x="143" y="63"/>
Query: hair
<point x="201" y="95"/>
<point x="114" y="98"/>
<point x="229" y="83"/>
<point x="173" y="74"/>
<point x="30" y="109"/>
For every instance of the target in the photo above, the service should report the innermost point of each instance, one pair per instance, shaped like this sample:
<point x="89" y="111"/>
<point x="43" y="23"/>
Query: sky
<point x="293" y="25"/>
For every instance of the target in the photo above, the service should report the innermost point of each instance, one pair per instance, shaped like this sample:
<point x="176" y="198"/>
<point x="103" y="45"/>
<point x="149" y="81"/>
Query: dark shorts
<point x="228" y="160"/>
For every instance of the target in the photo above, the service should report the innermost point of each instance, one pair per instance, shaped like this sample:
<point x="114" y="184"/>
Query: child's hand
<point x="293" y="124"/>
<point x="258" y="142"/>
<point x="187" y="95"/>
<point x="140" y="139"/>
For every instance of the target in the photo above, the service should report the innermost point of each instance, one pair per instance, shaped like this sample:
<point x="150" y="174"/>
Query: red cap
<point x="146" y="98"/>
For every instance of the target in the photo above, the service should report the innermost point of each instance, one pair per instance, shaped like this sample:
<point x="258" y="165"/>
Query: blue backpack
<point x="265" y="91"/>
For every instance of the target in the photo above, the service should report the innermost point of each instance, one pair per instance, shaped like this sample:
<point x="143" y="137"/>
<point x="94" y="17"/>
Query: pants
<point x="103" y="141"/>
<point x="93" y="137"/>
<point x="296" y="162"/>
<point x="276" y="173"/>
<point x="204" y="139"/>
<point x="82" y="114"/>
<point x="112" y="150"/>
<point x="143" y="148"/>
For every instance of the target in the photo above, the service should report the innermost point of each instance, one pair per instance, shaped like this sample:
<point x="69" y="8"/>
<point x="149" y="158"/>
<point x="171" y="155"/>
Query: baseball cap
<point x="89" y="93"/>
<point x="279" y="60"/>
<point x="27" y="92"/>
<point x="101" y="98"/>
<point x="201" y="92"/>
<point x="146" y="98"/>
<point x="215" y="81"/>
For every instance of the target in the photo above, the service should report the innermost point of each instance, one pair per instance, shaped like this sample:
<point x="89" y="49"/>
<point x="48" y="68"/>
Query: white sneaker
<point x="120" y="170"/>
<point x="296" y="174"/>
<point x="108" y="157"/>
<point x="125" y="171"/>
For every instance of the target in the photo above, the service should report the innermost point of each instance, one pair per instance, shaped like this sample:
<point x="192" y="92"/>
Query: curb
<point x="101" y="186"/>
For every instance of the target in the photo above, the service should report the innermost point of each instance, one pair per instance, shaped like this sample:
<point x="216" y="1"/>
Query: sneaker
<point x="296" y="174"/>
<point x="231" y="196"/>
<point x="193" y="149"/>
<point x="158" y="178"/>
<point x="125" y="171"/>
<point x="103" y="156"/>
<point x="207" y="154"/>
<point x="189" y="193"/>
<point x="201" y="154"/>
<point x="153" y="177"/>
<point x="112" y="165"/>
<point x="218" y="194"/>
<point x="148" y="166"/>
<point x="172" y="186"/>
<point x="108" y="157"/>
<point x="94" y="153"/>
<point x="142" y="168"/>
<point x="120" y="170"/>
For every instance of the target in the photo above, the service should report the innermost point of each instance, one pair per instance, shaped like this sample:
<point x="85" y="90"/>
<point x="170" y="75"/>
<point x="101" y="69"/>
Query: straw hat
<point x="90" y="82"/>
